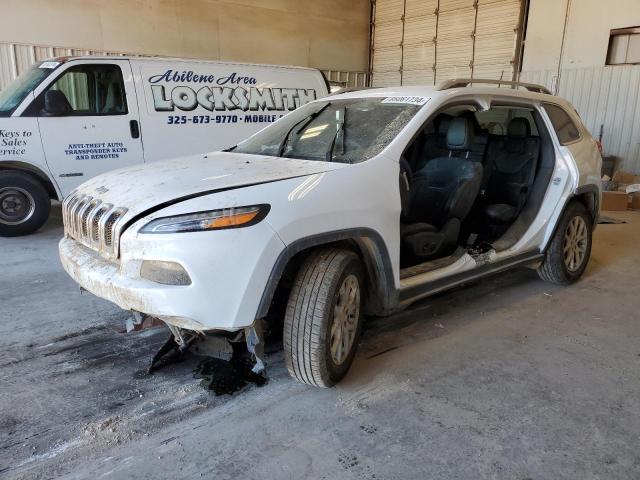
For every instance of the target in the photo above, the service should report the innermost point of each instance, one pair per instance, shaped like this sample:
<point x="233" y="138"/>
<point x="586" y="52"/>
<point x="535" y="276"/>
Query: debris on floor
<point x="603" y="220"/>
<point x="226" y="377"/>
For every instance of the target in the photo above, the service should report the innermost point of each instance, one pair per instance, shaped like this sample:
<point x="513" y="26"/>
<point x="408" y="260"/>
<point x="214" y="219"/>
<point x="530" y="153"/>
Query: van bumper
<point x="228" y="270"/>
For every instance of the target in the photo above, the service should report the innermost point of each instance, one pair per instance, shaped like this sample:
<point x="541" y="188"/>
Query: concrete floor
<point x="510" y="378"/>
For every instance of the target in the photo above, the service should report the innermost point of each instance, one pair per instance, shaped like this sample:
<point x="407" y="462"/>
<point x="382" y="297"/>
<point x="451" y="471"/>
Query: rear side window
<point x="566" y="130"/>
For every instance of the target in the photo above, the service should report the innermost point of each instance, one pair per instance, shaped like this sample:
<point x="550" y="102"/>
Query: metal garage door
<point x="427" y="41"/>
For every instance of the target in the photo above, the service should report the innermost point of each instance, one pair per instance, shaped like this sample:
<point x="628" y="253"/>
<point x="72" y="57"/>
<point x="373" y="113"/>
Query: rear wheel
<point x="24" y="204"/>
<point x="568" y="254"/>
<point x="324" y="317"/>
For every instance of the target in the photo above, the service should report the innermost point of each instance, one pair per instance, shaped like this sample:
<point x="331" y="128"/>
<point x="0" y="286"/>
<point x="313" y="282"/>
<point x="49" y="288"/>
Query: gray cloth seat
<point x="512" y="162"/>
<point x="58" y="98"/>
<point x="440" y="197"/>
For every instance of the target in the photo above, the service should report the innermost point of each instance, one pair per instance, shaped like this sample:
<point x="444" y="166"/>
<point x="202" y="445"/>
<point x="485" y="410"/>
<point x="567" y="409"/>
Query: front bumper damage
<point x="220" y="301"/>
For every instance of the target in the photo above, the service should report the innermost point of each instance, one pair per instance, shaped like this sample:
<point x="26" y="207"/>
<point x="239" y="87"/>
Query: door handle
<point x="135" y="129"/>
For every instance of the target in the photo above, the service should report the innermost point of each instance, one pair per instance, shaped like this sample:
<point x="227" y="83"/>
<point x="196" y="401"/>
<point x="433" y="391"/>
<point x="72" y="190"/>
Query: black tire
<point x="24" y="204"/>
<point x="309" y="316"/>
<point x="555" y="268"/>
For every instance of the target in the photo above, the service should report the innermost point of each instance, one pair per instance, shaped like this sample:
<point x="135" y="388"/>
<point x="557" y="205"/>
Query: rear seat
<point x="510" y="170"/>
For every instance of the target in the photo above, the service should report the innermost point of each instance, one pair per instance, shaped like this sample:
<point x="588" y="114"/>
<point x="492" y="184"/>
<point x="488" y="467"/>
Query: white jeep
<point x="362" y="202"/>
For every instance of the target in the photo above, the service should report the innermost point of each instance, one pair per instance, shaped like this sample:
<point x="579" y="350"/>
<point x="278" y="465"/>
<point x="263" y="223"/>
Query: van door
<point x="89" y="121"/>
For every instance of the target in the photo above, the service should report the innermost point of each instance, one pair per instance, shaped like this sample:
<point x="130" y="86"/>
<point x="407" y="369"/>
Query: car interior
<point x="472" y="180"/>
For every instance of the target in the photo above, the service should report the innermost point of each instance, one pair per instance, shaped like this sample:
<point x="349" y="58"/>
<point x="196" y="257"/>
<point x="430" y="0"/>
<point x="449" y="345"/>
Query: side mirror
<point x="55" y="104"/>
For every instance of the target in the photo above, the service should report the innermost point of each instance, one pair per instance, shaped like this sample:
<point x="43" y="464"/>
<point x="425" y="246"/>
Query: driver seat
<point x="439" y="198"/>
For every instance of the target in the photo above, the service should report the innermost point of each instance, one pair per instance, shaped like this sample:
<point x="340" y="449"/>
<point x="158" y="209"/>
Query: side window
<point x="89" y="90"/>
<point x="563" y="125"/>
<point x="496" y="120"/>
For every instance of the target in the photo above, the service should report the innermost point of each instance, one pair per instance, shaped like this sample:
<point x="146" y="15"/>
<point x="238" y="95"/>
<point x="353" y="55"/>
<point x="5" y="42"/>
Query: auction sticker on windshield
<point x="406" y="100"/>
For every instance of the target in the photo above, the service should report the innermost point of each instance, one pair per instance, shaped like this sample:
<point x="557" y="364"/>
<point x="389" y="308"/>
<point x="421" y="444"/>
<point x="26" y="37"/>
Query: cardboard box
<point x="615" y="201"/>
<point x="635" y="201"/>
<point x="625" y="177"/>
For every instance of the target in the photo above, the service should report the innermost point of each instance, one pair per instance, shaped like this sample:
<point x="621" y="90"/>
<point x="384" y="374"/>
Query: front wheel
<point x="24" y="204"/>
<point x="568" y="254"/>
<point x="324" y="316"/>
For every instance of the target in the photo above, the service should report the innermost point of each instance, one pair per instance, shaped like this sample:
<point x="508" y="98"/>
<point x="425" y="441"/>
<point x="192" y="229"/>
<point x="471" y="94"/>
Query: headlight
<point x="235" y="217"/>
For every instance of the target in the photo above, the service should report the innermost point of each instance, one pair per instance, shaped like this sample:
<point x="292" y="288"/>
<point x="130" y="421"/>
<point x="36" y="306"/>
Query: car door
<point x="89" y="122"/>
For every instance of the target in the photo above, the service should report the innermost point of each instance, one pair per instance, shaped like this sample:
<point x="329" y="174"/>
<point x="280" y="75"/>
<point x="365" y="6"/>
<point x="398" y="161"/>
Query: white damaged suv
<point x="358" y="203"/>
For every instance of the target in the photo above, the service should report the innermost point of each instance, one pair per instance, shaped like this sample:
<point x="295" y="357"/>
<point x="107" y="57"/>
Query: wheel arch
<point x="587" y="195"/>
<point x="366" y="243"/>
<point x="36" y="172"/>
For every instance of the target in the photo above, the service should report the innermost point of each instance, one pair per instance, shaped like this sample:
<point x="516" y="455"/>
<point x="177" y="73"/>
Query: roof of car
<point x="437" y="91"/>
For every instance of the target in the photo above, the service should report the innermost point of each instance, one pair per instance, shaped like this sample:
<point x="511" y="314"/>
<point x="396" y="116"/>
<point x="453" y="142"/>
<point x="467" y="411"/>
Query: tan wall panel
<point x="277" y="35"/>
<point x="327" y="34"/>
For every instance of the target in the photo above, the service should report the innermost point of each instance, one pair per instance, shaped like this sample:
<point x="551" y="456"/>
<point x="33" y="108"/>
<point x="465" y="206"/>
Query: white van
<point x="68" y="119"/>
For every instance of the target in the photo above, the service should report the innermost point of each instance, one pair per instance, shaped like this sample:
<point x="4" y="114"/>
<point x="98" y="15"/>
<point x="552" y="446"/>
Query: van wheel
<point x="568" y="254"/>
<point x="324" y="317"/>
<point x="24" y="204"/>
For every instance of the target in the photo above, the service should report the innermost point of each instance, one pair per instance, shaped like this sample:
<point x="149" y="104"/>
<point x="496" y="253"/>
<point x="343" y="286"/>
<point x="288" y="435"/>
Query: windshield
<point x="16" y="91"/>
<point x="348" y="131"/>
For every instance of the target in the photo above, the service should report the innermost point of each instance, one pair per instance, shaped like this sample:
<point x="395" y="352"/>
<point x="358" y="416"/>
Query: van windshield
<point x="348" y="131"/>
<point x="12" y="95"/>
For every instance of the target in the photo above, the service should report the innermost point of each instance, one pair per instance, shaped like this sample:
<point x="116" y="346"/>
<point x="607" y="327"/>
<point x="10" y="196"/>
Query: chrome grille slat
<point x="86" y="216"/>
<point x="93" y="223"/>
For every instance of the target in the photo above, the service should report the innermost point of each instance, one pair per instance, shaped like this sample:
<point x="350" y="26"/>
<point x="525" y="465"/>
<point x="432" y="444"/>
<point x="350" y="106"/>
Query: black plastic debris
<point x="228" y="377"/>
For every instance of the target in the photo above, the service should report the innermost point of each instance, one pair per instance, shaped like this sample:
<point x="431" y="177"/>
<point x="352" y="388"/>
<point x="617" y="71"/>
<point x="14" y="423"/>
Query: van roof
<point x="152" y="59"/>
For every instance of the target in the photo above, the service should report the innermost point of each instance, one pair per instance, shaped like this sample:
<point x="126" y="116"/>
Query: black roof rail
<point x="466" y="82"/>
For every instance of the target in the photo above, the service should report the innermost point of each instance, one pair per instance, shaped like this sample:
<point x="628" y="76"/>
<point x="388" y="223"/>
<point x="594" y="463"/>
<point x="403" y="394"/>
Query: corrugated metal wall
<point x="606" y="98"/>
<point x="15" y="58"/>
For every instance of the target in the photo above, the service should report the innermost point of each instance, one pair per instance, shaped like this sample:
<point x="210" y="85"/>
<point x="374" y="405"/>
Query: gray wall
<point x="326" y="34"/>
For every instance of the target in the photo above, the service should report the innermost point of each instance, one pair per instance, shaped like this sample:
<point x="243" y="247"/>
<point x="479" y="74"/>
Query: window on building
<point x="624" y="46"/>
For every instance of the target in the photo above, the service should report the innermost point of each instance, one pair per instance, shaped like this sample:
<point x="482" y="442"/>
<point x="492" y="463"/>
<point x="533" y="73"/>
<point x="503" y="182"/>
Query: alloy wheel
<point x="345" y="319"/>
<point x="575" y="243"/>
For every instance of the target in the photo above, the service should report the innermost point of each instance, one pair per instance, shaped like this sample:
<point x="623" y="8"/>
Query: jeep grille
<point x="93" y="223"/>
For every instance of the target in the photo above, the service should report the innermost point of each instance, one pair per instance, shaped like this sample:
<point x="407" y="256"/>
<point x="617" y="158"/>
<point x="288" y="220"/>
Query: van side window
<point x="563" y="125"/>
<point x="89" y="90"/>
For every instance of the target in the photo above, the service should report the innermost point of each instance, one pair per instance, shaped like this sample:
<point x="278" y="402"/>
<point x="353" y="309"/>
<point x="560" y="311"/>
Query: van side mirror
<point x="55" y="104"/>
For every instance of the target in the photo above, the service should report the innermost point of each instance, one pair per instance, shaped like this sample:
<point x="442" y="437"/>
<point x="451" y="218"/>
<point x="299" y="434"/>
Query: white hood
<point x="142" y="187"/>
